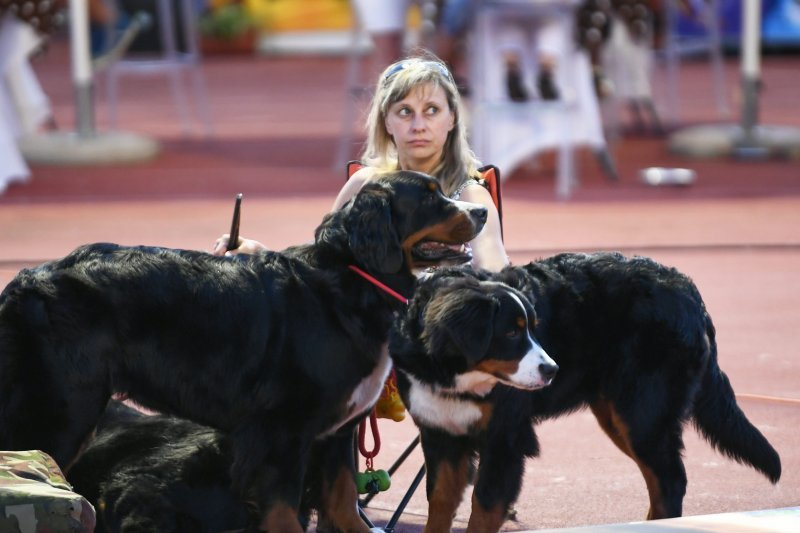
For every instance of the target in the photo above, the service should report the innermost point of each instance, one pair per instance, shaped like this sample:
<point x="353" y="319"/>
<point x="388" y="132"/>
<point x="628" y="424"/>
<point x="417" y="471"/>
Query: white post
<point x="81" y="66"/>
<point x="751" y="66"/>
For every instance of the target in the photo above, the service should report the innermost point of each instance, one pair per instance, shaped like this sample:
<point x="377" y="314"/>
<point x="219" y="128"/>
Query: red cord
<point x="382" y="286"/>
<point x="376" y="439"/>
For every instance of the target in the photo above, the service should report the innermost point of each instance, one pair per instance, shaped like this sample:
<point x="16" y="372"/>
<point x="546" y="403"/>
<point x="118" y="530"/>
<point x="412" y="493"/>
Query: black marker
<point x="233" y="240"/>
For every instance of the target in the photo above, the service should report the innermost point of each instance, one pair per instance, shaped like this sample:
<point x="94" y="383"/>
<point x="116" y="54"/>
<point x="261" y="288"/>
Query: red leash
<point x="369" y="455"/>
<point x="378" y="284"/>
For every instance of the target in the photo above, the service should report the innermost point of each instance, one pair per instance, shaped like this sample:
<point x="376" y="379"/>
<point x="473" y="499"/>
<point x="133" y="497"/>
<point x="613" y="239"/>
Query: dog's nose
<point x="479" y="215"/>
<point x="548" y="371"/>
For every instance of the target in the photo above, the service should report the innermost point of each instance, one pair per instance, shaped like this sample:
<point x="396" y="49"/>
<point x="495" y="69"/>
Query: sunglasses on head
<point x="405" y="64"/>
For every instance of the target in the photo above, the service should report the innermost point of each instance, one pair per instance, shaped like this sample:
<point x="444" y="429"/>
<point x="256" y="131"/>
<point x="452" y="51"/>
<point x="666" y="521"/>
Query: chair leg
<point x="112" y="95"/>
<point x="201" y="98"/>
<point x="607" y="164"/>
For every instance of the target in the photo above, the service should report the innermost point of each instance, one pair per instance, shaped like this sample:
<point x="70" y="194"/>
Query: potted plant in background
<point x="227" y="27"/>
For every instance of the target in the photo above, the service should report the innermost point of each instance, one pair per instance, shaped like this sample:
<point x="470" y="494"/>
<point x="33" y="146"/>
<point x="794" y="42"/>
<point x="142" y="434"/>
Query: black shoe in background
<point x="547" y="85"/>
<point x="516" y="89"/>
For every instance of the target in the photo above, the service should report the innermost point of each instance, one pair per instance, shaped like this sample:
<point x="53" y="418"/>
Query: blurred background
<point x="616" y="125"/>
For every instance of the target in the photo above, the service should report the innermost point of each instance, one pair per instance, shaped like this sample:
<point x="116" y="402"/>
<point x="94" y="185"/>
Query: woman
<point x="416" y="122"/>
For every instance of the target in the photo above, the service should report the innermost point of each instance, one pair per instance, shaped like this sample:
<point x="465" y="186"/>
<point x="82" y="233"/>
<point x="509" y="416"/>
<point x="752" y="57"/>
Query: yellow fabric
<point x="390" y="405"/>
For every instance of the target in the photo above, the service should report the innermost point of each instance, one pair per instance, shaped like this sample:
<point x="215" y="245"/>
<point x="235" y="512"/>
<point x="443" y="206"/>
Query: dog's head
<point x="462" y="334"/>
<point x="402" y="220"/>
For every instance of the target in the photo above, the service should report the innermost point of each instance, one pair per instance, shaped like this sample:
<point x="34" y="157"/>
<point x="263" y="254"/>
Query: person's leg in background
<point x="385" y="21"/>
<point x="31" y="105"/>
<point x="454" y="21"/>
<point x="12" y="166"/>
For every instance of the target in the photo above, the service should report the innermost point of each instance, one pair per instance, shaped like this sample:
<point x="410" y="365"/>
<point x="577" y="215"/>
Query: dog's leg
<point x="53" y="382"/>
<point x="448" y="460"/>
<point x="657" y="453"/>
<point x="269" y="466"/>
<point x="56" y="416"/>
<point x="497" y="486"/>
<point x="339" y="510"/>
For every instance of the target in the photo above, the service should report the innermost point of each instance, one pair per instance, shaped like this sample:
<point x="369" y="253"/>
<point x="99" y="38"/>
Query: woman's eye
<point x="403" y="112"/>
<point x="432" y="110"/>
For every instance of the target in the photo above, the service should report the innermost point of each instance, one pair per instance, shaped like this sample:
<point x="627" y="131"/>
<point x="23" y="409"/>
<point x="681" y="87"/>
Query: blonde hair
<point x="395" y="83"/>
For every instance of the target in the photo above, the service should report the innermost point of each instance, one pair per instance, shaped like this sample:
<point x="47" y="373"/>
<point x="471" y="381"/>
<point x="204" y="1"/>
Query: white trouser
<point x="381" y="16"/>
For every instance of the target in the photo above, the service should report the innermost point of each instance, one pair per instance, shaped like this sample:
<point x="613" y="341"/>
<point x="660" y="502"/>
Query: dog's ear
<point x="461" y="326"/>
<point x="331" y="231"/>
<point x="373" y="238"/>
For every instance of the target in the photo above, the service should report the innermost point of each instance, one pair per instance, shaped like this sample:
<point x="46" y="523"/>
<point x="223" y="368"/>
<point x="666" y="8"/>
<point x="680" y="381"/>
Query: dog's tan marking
<point x="339" y="504"/>
<point x="482" y="519"/>
<point x="281" y="518"/>
<point x="619" y="433"/>
<point x="458" y="228"/>
<point x="606" y="415"/>
<point x="443" y="502"/>
<point x="497" y="367"/>
<point x="657" y="509"/>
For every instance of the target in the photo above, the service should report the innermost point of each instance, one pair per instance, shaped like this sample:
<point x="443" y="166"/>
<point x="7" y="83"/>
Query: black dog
<point x="282" y="351"/>
<point x="160" y="473"/>
<point x="167" y="474"/>
<point x="633" y="342"/>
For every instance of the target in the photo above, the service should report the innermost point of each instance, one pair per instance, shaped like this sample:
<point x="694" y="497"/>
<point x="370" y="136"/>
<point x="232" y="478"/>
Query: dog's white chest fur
<point x="367" y="392"/>
<point x="452" y="414"/>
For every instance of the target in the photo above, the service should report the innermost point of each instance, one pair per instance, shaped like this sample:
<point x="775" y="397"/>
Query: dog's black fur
<point x="160" y="473"/>
<point x="633" y="342"/>
<point x="283" y="351"/>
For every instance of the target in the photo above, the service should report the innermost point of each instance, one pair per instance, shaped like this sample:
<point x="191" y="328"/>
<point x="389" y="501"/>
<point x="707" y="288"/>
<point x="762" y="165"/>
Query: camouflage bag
<point x="36" y="498"/>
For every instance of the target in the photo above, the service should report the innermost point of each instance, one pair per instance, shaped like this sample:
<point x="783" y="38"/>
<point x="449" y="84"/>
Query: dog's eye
<point x="513" y="334"/>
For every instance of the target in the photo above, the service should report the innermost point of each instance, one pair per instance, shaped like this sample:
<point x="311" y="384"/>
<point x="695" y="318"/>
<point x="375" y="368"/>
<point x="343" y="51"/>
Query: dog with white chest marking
<point x="283" y="352"/>
<point x="634" y="343"/>
<point x="459" y="338"/>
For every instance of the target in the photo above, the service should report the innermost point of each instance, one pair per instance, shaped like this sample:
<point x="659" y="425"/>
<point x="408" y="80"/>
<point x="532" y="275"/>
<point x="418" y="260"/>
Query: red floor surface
<point x="735" y="232"/>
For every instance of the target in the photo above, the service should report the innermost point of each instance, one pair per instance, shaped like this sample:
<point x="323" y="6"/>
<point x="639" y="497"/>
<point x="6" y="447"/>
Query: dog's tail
<point x="724" y="425"/>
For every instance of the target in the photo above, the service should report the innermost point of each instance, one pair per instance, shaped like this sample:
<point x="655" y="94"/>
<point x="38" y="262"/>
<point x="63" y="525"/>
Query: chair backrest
<point x="490" y="175"/>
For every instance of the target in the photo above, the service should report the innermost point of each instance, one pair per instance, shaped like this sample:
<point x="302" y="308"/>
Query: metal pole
<point x="81" y="67"/>
<point x="751" y="63"/>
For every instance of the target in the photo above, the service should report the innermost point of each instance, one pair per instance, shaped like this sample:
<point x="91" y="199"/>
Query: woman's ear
<point x="452" y="120"/>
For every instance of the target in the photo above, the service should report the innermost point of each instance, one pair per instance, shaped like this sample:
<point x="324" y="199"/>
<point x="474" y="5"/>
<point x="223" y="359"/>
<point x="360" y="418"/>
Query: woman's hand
<point x="245" y="246"/>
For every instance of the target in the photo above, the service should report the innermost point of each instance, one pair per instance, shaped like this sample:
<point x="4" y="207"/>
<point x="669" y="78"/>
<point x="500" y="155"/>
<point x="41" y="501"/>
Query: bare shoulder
<point x="364" y="175"/>
<point x="353" y="185"/>
<point x="477" y="193"/>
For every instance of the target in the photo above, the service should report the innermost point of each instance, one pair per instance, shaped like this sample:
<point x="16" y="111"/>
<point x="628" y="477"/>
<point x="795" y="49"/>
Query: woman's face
<point x="419" y="125"/>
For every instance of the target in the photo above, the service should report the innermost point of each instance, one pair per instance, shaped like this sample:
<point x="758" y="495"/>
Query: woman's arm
<point x="487" y="248"/>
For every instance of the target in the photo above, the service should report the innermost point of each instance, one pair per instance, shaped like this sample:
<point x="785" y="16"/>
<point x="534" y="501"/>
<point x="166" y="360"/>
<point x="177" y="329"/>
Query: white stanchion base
<point x="714" y="140"/>
<point x="106" y="148"/>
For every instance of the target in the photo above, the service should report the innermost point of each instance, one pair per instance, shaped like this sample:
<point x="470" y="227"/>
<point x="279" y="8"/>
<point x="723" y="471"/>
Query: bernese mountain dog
<point x="282" y="351"/>
<point x="633" y="342"/>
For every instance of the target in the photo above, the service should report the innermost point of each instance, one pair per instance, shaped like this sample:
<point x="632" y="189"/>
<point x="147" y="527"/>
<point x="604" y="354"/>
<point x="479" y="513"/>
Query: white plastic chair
<point x="677" y="46"/>
<point x="507" y="132"/>
<point x="174" y="60"/>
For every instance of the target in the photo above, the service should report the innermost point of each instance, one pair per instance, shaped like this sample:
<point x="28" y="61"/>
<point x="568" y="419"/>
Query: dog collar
<point x="378" y="284"/>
